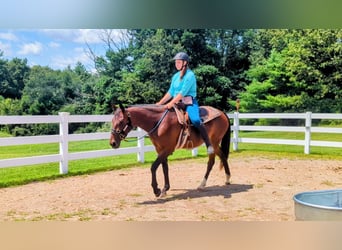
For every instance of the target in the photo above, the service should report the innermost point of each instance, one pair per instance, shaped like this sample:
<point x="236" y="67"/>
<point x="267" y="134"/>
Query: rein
<point x="148" y="133"/>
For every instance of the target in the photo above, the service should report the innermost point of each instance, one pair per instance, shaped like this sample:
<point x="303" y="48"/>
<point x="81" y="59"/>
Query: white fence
<point x="64" y="119"/>
<point x="307" y="129"/>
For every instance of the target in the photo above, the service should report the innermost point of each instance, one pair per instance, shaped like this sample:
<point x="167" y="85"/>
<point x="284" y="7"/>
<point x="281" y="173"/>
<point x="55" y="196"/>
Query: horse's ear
<point x="114" y="107"/>
<point x="122" y="108"/>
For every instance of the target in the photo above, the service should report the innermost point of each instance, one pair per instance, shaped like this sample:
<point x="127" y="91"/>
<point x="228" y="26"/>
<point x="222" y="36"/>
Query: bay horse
<point x="163" y="129"/>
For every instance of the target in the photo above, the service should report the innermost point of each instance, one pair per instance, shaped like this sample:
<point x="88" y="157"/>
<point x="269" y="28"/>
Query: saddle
<point x="207" y="114"/>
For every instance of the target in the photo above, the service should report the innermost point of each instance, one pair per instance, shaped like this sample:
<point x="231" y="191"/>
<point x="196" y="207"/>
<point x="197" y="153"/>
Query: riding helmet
<point x="181" y="56"/>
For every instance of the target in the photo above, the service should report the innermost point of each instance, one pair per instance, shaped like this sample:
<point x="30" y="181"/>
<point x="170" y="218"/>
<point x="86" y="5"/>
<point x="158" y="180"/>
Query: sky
<point x="55" y="48"/>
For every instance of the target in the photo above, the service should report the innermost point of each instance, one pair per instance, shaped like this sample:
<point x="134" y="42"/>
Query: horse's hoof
<point x="202" y="185"/>
<point x="157" y="193"/>
<point x="162" y="194"/>
<point x="227" y="180"/>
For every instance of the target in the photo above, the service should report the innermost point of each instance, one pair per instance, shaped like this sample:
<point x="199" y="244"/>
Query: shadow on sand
<point x="225" y="191"/>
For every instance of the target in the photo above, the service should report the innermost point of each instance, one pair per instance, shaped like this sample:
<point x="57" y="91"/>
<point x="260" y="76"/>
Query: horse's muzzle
<point x="114" y="145"/>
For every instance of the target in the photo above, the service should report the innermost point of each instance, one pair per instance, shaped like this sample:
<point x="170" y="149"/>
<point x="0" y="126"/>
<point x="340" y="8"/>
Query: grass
<point x="3" y="134"/>
<point x="292" y="135"/>
<point x="43" y="172"/>
<point x="315" y="152"/>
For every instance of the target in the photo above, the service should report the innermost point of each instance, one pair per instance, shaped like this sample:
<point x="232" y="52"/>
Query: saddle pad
<point x="208" y="113"/>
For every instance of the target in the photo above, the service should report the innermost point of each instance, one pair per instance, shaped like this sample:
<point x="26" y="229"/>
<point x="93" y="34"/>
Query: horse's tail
<point x="225" y="142"/>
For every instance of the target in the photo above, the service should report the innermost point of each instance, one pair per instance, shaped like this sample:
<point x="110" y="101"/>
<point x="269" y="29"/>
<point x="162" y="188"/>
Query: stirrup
<point x="210" y="150"/>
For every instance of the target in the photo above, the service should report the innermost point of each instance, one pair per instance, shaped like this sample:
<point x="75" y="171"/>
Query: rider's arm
<point x="165" y="99"/>
<point x="175" y="100"/>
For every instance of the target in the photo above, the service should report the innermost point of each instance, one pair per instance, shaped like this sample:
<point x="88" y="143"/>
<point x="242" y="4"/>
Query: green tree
<point x="10" y="106"/>
<point x="233" y="53"/>
<point x="12" y="76"/>
<point x="211" y="84"/>
<point x="296" y="71"/>
<point x="47" y="91"/>
<point x="154" y="65"/>
<point x="81" y="71"/>
<point x="4" y="77"/>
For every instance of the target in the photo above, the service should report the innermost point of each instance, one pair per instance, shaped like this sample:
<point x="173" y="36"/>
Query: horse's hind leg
<point x="210" y="165"/>
<point x="224" y="164"/>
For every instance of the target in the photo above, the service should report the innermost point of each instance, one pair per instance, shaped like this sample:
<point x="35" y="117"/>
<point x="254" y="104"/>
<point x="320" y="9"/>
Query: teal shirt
<point x="186" y="87"/>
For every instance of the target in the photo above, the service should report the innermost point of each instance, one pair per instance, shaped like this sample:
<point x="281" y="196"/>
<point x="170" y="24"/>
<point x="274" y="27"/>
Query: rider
<point x="183" y="84"/>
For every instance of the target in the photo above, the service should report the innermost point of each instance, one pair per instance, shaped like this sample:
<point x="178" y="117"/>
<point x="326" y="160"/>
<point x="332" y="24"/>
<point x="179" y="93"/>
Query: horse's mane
<point x="150" y="107"/>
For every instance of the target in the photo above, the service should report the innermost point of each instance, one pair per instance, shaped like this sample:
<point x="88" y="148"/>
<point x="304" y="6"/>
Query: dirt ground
<point x="262" y="189"/>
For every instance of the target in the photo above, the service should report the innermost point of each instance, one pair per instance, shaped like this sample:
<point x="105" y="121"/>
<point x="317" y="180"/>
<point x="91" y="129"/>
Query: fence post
<point x="308" y="123"/>
<point x="141" y="144"/>
<point x="64" y="143"/>
<point x="236" y="131"/>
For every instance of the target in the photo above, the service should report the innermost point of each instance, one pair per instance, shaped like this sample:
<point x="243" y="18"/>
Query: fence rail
<point x="63" y="138"/>
<point x="307" y="129"/>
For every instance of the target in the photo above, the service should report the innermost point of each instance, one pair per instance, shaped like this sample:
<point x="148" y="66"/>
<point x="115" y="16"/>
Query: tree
<point x="302" y="72"/>
<point x="143" y="68"/>
<point x="10" y="106"/>
<point x="47" y="91"/>
<point x="211" y="85"/>
<point x="81" y="71"/>
<point x="154" y="64"/>
<point x="233" y="49"/>
<point x="4" y="78"/>
<point x="12" y="76"/>
<point x="140" y="72"/>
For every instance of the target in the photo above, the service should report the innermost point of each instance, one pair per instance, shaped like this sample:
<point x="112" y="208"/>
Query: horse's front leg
<point x="166" y="178"/>
<point x="154" y="183"/>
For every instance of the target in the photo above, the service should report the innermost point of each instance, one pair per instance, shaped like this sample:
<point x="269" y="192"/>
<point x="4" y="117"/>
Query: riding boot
<point x="205" y="137"/>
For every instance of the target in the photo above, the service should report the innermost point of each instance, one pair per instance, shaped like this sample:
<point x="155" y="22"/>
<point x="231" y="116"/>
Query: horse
<point x="163" y="129"/>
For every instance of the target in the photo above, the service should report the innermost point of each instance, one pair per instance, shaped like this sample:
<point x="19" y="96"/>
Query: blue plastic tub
<point x="319" y="205"/>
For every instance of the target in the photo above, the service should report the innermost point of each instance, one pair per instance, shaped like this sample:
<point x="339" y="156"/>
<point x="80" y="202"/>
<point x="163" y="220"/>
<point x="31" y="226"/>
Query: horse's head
<point x="121" y="126"/>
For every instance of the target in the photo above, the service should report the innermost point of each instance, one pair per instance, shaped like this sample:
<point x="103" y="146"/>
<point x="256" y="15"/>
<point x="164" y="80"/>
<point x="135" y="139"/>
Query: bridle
<point x="124" y="132"/>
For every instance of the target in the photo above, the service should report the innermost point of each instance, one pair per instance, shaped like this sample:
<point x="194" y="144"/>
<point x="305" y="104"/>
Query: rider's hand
<point x="169" y="105"/>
